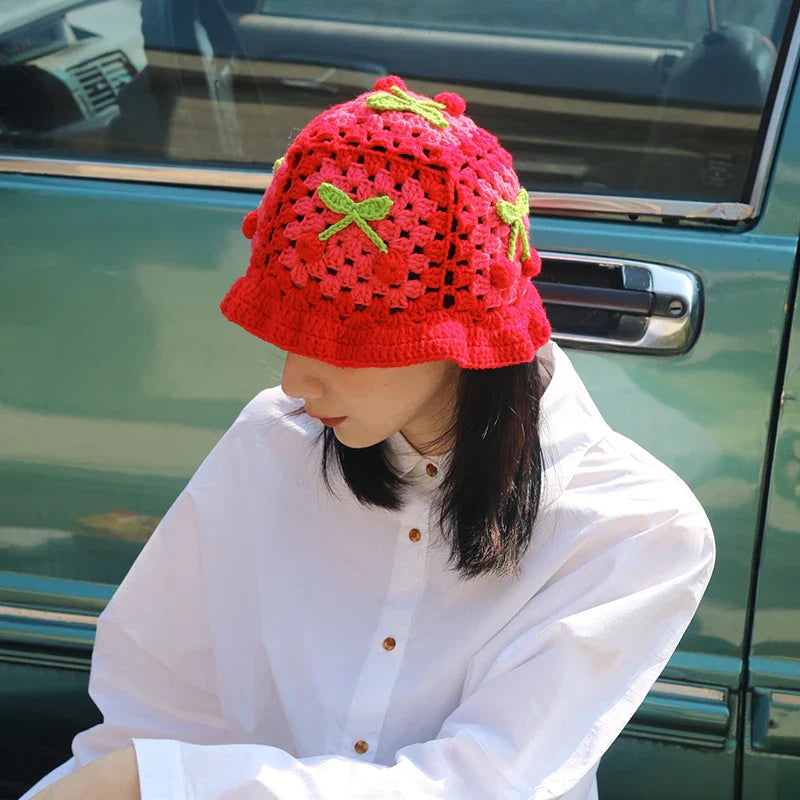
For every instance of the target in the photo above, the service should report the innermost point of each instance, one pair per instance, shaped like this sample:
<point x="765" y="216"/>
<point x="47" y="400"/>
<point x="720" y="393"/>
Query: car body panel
<point x="772" y="727"/>
<point x="137" y="374"/>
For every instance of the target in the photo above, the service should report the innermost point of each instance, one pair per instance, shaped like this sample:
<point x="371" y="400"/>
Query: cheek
<point x="382" y="401"/>
<point x="366" y="390"/>
<point x="381" y="409"/>
<point x="378" y="410"/>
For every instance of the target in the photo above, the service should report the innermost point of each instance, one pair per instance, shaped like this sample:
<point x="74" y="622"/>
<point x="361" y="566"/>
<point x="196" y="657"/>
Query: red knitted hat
<point x="394" y="232"/>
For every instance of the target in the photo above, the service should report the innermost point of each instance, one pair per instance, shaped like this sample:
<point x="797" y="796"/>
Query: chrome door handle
<point x="619" y="304"/>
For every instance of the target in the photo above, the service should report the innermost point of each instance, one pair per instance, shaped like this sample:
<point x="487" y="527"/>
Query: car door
<point x="772" y="726"/>
<point x="658" y="143"/>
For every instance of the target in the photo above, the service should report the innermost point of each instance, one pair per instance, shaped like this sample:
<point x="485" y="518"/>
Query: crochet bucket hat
<point x="394" y="231"/>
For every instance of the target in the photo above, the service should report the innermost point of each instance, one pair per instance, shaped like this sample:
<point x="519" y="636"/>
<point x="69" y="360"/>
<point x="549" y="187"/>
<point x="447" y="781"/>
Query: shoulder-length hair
<point x="489" y="495"/>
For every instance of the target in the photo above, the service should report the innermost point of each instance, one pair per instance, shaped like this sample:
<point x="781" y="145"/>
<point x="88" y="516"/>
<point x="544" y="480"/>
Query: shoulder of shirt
<point x="621" y="496"/>
<point x="266" y="424"/>
<point x="595" y="461"/>
<point x="617" y="466"/>
<point x="269" y="418"/>
<point x="272" y="411"/>
<point x="266" y="442"/>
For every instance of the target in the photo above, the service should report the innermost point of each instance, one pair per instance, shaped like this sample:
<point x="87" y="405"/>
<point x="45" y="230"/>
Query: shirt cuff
<point x="160" y="769"/>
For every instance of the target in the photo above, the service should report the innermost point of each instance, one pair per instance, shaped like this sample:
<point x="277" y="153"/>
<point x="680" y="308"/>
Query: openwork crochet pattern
<point x="394" y="231"/>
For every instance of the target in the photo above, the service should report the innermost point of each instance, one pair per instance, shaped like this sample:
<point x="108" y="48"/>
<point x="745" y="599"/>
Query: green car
<point x="659" y="141"/>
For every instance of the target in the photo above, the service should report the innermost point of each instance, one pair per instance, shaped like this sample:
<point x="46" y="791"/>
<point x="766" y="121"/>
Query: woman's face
<point x="376" y="402"/>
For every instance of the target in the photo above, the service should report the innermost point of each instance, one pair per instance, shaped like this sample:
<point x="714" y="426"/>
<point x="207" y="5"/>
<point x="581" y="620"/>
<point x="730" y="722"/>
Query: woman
<point x="422" y="567"/>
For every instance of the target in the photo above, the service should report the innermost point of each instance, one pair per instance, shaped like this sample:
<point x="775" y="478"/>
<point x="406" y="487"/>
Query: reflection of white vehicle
<point x="63" y="63"/>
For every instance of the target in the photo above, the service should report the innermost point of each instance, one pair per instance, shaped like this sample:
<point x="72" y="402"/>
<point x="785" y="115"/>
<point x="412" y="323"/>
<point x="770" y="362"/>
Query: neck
<point x="428" y="435"/>
<point x="426" y="446"/>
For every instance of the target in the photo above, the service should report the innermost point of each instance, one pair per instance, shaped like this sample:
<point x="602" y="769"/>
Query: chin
<point x="352" y="439"/>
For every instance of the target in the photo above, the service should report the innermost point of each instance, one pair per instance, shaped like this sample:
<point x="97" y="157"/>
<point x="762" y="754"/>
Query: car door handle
<point x="619" y="304"/>
<point x="685" y="712"/>
<point x="570" y="294"/>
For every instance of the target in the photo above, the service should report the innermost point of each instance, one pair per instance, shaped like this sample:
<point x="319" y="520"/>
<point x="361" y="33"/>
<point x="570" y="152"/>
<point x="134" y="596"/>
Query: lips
<point x="326" y="420"/>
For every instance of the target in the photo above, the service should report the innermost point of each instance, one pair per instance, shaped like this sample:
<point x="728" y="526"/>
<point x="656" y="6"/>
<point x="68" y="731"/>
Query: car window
<point x="650" y="98"/>
<point x="640" y="21"/>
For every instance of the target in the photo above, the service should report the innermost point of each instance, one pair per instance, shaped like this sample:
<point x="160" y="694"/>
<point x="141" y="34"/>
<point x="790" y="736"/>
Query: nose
<point x="300" y="379"/>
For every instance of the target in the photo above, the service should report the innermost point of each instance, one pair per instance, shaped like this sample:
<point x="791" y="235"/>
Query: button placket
<point x="381" y="667"/>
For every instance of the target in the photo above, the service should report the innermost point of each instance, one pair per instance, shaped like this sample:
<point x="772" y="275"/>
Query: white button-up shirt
<point x="273" y="641"/>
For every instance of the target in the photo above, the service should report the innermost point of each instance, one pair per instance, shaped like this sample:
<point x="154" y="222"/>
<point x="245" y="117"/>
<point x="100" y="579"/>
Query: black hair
<point x="489" y="496"/>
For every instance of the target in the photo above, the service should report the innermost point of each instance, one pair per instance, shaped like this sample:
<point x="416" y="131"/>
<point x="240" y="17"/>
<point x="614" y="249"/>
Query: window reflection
<point x="654" y="98"/>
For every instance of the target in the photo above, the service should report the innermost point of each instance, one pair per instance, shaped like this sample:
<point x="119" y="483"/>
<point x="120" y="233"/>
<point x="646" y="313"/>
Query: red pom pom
<point x="455" y="104"/>
<point x="501" y="275"/>
<point x="390" y="268"/>
<point x="310" y="247"/>
<point x="250" y="223"/>
<point x="532" y="266"/>
<point x="385" y="84"/>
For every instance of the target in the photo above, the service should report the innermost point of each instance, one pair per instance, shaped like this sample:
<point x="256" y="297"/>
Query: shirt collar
<point x="410" y="463"/>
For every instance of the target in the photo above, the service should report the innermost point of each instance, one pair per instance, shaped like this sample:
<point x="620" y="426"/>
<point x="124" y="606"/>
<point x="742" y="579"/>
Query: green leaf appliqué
<point x="514" y="214"/>
<point x="398" y="100"/>
<point x="373" y="208"/>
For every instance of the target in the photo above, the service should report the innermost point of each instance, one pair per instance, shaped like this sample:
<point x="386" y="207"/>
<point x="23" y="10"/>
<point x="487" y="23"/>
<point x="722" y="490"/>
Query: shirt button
<point x="414" y="535"/>
<point x="361" y="746"/>
<point x="431" y="470"/>
<point x="389" y="643"/>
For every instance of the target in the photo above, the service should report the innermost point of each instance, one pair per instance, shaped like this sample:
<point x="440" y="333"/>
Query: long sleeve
<point x="152" y="670"/>
<point x="153" y="666"/>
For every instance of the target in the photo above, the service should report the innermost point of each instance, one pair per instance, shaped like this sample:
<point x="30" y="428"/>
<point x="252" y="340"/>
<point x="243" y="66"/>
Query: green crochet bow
<point x="372" y="208"/>
<point x="399" y="100"/>
<point x="513" y="214"/>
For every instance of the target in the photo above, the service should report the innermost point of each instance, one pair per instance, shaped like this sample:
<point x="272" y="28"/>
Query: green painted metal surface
<point x="126" y="374"/>
<point x="637" y="768"/>
<point x="42" y="707"/>
<point x="771" y="766"/>
<point x="776" y="629"/>
<point x="770" y="773"/>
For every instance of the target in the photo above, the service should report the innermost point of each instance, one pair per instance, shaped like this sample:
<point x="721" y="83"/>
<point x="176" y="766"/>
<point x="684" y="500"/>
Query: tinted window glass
<point x="657" y="98"/>
<point x="681" y="21"/>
